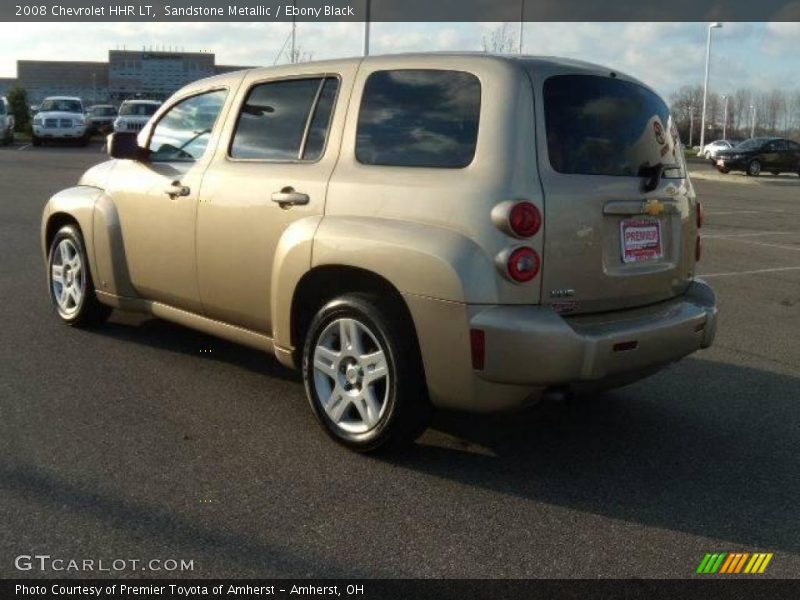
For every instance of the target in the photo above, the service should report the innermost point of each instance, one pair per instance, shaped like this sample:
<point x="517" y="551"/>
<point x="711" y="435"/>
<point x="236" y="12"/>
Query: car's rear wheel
<point x="363" y="376"/>
<point x="754" y="168"/>
<point x="36" y="141"/>
<point x="70" y="282"/>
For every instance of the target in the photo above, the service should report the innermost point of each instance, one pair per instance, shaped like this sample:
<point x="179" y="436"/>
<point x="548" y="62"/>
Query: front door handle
<point x="176" y="189"/>
<point x="288" y="197"/>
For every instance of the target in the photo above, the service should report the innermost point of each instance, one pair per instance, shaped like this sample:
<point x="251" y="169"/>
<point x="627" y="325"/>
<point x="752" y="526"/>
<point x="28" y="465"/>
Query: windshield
<point x="2" y="107"/>
<point x="61" y="105"/>
<point x="603" y="126"/>
<point x="138" y="110"/>
<point x="104" y="111"/>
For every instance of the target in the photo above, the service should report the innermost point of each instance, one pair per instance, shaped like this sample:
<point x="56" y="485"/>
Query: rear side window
<point x="419" y="118"/>
<point x="285" y="120"/>
<point x="603" y="126"/>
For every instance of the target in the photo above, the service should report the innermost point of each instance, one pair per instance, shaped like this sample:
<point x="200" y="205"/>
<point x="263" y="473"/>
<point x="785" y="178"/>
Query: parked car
<point x="6" y="122"/>
<point x="457" y="230"/>
<point x="34" y="108"/>
<point x="134" y="114"/>
<point x="100" y="118"/>
<point x="776" y="155"/>
<point x="710" y="150"/>
<point x="60" y="118"/>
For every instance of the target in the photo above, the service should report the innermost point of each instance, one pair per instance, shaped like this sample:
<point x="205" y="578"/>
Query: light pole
<point x="705" y="86"/>
<point x="366" y="29"/>
<point x="292" y="56"/>
<point x="521" y="23"/>
<point x="691" y="126"/>
<point x="752" y="120"/>
<point x="725" y="119"/>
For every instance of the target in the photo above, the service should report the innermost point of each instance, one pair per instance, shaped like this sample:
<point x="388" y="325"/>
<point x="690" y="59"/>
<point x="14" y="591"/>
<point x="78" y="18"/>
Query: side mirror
<point x="123" y="144"/>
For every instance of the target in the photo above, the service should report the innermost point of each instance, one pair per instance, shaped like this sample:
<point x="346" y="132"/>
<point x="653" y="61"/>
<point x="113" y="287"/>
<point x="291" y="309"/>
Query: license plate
<point x="720" y="162"/>
<point x="641" y="240"/>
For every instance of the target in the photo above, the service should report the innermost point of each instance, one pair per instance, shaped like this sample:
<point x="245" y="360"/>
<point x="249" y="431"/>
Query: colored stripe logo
<point x="734" y="563"/>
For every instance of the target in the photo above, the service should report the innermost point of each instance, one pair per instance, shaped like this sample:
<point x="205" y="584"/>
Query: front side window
<point x="604" y="126"/>
<point x="183" y="132"/>
<point x="2" y="107"/>
<point x="419" y="118"/>
<point x="285" y="120"/>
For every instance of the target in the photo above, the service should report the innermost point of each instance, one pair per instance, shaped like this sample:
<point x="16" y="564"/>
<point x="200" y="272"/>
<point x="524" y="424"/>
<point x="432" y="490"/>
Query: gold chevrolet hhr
<point x="454" y="230"/>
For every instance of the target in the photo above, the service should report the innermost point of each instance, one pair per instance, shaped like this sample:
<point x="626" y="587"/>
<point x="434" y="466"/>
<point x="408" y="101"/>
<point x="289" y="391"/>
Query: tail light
<point x="698" y="249"/>
<point x="699" y="215"/>
<point x="521" y="219"/>
<point x="525" y="220"/>
<point x="523" y="264"/>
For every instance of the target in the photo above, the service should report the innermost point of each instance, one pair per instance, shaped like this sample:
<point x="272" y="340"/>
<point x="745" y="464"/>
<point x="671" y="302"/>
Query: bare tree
<point x="500" y="41"/>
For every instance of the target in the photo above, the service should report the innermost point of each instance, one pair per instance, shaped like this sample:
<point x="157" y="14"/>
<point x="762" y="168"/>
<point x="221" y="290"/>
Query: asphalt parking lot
<point x="143" y="440"/>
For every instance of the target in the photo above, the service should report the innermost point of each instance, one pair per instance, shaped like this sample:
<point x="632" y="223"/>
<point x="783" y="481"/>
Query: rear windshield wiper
<point x="653" y="174"/>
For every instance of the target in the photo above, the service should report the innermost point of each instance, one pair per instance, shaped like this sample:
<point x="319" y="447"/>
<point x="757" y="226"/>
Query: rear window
<point x="419" y="118"/>
<point x="603" y="126"/>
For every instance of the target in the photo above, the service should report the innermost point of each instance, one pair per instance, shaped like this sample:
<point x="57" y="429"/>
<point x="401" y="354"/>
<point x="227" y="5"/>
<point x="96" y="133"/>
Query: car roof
<point x="476" y="57"/>
<point x="63" y="98"/>
<point x="137" y="101"/>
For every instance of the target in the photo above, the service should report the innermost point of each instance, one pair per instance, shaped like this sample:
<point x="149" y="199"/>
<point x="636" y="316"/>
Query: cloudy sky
<point x="665" y="55"/>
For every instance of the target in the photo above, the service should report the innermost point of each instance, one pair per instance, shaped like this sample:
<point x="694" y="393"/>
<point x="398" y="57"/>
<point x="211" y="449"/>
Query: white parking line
<point x="755" y="272"/>
<point x="779" y="246"/>
<point x="733" y="212"/>
<point x="24" y="146"/>
<point x="751" y="234"/>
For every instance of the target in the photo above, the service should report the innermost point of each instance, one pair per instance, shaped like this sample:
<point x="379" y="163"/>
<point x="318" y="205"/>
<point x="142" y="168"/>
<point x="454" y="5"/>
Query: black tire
<point x="84" y="141"/>
<point x="36" y="141"/>
<point x="753" y="168"/>
<point x="775" y="172"/>
<point x="87" y="310"/>
<point x="723" y="170"/>
<point x="405" y="411"/>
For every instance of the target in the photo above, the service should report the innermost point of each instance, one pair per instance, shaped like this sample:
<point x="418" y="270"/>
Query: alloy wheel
<point x="67" y="277"/>
<point x="351" y="375"/>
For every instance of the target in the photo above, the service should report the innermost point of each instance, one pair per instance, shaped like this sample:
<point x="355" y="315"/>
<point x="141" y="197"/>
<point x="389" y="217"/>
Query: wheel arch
<point x="337" y="280"/>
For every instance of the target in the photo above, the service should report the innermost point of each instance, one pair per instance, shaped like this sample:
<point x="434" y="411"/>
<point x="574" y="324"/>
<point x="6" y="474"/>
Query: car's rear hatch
<point x="619" y="211"/>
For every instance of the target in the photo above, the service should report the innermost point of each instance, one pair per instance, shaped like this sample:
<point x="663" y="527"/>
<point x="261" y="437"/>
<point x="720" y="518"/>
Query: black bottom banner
<point x="369" y="589"/>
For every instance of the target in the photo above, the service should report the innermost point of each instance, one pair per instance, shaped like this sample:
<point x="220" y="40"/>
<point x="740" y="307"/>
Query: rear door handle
<point x="176" y="189"/>
<point x="288" y="197"/>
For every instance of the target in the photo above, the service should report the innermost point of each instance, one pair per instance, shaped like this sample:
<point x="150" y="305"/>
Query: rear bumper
<point x="536" y="346"/>
<point x="530" y="349"/>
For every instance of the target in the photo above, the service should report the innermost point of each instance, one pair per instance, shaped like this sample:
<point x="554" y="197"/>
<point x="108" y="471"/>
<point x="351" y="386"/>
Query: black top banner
<point x="398" y="10"/>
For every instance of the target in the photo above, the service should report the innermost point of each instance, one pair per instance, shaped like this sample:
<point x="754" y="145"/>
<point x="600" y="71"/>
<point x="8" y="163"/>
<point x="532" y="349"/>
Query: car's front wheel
<point x="363" y="375"/>
<point x="36" y="141"/>
<point x="71" y="286"/>
<point x="754" y="168"/>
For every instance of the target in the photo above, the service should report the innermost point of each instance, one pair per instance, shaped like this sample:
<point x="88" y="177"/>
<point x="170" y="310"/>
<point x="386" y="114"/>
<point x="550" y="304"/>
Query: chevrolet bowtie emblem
<point x="654" y="208"/>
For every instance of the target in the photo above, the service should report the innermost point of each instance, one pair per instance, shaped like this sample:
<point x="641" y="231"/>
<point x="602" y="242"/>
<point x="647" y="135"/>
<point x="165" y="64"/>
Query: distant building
<point x="127" y="74"/>
<point x="6" y="83"/>
<point x="42" y="78"/>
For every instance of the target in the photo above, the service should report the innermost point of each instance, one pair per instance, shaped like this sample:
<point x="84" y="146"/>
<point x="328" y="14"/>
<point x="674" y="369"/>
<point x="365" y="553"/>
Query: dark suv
<point x="776" y="155"/>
